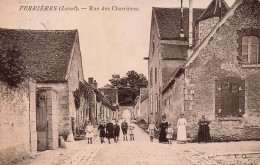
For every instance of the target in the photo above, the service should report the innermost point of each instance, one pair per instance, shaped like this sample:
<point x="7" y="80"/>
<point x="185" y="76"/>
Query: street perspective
<point x="133" y="82"/>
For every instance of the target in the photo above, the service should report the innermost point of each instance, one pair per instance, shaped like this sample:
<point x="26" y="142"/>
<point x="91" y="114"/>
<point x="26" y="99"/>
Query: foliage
<point x="82" y="91"/>
<point x="12" y="66"/>
<point x="128" y="86"/>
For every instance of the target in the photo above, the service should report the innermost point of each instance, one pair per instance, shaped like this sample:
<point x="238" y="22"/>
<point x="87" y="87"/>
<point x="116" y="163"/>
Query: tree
<point x="128" y="86"/>
<point x="12" y="66"/>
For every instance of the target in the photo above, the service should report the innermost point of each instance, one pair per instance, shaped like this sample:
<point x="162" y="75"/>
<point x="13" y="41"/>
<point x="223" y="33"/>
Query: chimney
<point x="95" y="84"/>
<point x="182" y="33"/>
<point x="90" y="80"/>
<point x="190" y="23"/>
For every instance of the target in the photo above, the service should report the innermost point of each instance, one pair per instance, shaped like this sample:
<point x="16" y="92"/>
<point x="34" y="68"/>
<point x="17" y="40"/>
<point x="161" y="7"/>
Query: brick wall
<point x="18" y="138"/>
<point x="216" y="61"/>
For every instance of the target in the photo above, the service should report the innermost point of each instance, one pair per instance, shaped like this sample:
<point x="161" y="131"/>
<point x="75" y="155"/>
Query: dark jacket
<point x="110" y="130"/>
<point x="124" y="125"/>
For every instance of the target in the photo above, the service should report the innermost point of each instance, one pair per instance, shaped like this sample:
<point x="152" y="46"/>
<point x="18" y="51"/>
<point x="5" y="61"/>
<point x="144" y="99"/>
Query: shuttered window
<point x="230" y="97"/>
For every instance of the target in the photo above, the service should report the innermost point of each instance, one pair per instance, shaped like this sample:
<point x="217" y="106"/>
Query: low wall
<point x="18" y="138"/>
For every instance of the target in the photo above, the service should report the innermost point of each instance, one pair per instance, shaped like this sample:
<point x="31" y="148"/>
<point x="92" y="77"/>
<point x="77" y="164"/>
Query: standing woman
<point x="181" y="125"/>
<point x="109" y="130"/>
<point x="163" y="126"/>
<point x="102" y="132"/>
<point x="203" y="134"/>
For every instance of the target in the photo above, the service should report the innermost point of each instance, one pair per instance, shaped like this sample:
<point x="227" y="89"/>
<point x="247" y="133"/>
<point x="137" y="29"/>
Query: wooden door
<point x="41" y="121"/>
<point x="229" y="99"/>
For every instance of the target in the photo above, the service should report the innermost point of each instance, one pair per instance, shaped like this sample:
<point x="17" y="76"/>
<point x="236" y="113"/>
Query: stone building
<point x="221" y="77"/>
<point x="168" y="50"/>
<point x="111" y="95"/>
<point x="53" y="60"/>
<point x="141" y="106"/>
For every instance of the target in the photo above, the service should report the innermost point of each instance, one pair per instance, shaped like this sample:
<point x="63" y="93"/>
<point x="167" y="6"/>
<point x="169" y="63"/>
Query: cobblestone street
<point x="143" y="152"/>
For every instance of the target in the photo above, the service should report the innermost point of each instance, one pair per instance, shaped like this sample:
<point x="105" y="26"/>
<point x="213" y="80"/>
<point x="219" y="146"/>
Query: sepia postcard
<point x="129" y="82"/>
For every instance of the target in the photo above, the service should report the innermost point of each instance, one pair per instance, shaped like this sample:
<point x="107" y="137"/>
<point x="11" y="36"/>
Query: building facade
<point x="220" y="78"/>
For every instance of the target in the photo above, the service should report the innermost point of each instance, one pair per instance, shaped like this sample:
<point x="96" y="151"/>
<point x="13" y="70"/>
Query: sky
<point x="111" y="42"/>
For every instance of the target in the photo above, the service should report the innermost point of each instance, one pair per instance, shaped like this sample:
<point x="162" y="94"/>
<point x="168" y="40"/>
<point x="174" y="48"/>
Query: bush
<point x="12" y="66"/>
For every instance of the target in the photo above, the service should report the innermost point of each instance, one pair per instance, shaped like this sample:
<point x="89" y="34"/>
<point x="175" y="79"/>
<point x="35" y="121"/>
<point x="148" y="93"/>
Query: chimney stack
<point x="190" y="23"/>
<point x="90" y="80"/>
<point x="95" y="84"/>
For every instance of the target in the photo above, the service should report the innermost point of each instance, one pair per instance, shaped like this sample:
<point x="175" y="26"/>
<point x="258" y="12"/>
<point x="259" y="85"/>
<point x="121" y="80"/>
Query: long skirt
<point x="181" y="134"/>
<point x="162" y="137"/>
<point x="203" y="134"/>
<point x="102" y="133"/>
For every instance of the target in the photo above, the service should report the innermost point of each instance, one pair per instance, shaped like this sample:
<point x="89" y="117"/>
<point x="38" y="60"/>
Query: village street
<point x="143" y="152"/>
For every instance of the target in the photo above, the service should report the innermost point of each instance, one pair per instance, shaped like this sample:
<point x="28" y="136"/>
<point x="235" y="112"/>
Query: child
<point x="116" y="132"/>
<point x="169" y="135"/>
<point x="124" y="127"/>
<point x="89" y="132"/>
<point x="151" y="130"/>
<point x="131" y="130"/>
<point x="109" y="130"/>
<point x="102" y="133"/>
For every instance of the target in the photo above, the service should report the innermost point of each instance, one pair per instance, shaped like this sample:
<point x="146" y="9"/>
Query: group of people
<point x="166" y="130"/>
<point x="112" y="131"/>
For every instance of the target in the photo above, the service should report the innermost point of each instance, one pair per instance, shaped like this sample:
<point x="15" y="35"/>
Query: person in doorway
<point x="169" y="135"/>
<point x="152" y="128"/>
<point x="109" y="130"/>
<point x="203" y="133"/>
<point x="163" y="126"/>
<point x="89" y="132"/>
<point x="124" y="127"/>
<point x="131" y="130"/>
<point x="181" y="125"/>
<point x="116" y="131"/>
<point x="102" y="132"/>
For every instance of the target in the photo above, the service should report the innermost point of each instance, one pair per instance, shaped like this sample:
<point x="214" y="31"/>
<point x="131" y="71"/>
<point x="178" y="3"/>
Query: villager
<point x="169" y="135"/>
<point x="203" y="133"/>
<point x="102" y="132"/>
<point x="163" y="126"/>
<point x="131" y="130"/>
<point x="151" y="130"/>
<point x="124" y="127"/>
<point x="89" y="132"/>
<point x="116" y="131"/>
<point x="109" y="130"/>
<point x="181" y="125"/>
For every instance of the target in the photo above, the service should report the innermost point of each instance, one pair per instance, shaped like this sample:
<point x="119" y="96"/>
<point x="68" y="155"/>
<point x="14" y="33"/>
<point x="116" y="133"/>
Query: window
<point x="250" y="50"/>
<point x="151" y="77"/>
<point x="155" y="75"/>
<point x="230" y="97"/>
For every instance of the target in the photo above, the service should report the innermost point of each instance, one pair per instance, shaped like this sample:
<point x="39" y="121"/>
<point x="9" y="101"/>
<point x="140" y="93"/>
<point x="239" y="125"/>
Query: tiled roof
<point x="174" y="52"/>
<point x="217" y="8"/>
<point x="46" y="52"/>
<point x="168" y="73"/>
<point x="169" y="21"/>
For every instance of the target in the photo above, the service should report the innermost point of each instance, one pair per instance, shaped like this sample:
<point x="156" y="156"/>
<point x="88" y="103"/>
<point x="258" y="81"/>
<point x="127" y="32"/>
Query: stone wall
<point x="63" y="105"/>
<point x="203" y="28"/>
<point x="173" y="102"/>
<point x="18" y="138"/>
<point x="75" y="76"/>
<point x="144" y="110"/>
<point x="219" y="60"/>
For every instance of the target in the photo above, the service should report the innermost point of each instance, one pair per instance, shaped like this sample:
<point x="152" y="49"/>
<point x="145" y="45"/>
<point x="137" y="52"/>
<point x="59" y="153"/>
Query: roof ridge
<point x="39" y="30"/>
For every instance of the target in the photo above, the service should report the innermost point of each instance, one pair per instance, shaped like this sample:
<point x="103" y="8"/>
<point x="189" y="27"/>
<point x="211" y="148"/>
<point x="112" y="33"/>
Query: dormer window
<point x="250" y="50"/>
